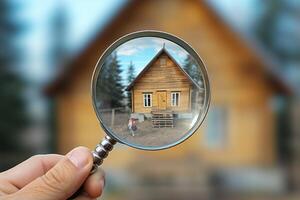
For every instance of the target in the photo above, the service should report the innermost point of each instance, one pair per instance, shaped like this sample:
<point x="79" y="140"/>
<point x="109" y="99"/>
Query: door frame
<point x="158" y="99"/>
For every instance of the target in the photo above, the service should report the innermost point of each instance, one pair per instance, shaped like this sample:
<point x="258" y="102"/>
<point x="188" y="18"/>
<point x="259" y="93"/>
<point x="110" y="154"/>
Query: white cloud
<point x="135" y="46"/>
<point x="127" y="51"/>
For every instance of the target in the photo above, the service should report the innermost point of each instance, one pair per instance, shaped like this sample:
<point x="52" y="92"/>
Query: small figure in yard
<point x="132" y="126"/>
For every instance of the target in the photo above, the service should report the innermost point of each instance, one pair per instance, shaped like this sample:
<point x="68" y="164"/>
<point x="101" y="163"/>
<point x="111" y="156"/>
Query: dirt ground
<point x="146" y="135"/>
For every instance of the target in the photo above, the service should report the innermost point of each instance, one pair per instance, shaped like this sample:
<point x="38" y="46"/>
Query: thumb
<point x="63" y="179"/>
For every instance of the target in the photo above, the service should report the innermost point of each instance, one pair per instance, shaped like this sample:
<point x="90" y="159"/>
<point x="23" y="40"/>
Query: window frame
<point x="216" y="133"/>
<point x="147" y="95"/>
<point x="177" y="104"/>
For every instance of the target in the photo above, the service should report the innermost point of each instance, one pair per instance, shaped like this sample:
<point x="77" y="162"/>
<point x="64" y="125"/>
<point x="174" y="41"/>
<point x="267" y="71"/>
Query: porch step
<point x="162" y="119"/>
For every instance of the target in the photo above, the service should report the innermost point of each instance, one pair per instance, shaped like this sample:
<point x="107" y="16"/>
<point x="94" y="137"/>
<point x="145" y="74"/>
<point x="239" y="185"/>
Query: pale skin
<point x="53" y="177"/>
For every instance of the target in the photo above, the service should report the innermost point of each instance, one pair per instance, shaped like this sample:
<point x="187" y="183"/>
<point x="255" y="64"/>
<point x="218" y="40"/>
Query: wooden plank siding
<point x="238" y="83"/>
<point x="157" y="78"/>
<point x="184" y="105"/>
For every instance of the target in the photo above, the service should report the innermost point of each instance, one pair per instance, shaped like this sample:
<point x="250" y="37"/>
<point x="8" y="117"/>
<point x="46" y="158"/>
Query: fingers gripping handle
<point x="101" y="151"/>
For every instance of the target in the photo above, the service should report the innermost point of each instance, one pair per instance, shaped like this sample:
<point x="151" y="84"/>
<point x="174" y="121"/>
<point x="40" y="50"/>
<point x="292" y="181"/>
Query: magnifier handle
<point x="99" y="154"/>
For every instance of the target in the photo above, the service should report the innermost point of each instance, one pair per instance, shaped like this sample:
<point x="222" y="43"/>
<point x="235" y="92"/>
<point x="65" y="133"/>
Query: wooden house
<point x="240" y="128"/>
<point x="162" y="85"/>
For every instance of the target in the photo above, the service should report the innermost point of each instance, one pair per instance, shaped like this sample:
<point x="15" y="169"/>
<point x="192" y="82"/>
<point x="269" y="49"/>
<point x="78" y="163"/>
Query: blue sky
<point x="242" y="14"/>
<point x="87" y="18"/>
<point x="140" y="51"/>
<point x="84" y="20"/>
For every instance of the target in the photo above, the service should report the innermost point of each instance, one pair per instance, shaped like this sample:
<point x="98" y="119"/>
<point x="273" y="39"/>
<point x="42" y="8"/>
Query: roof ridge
<point x="162" y="50"/>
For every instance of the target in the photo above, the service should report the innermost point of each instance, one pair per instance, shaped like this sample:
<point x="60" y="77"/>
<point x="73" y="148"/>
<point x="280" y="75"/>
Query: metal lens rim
<point x="174" y="39"/>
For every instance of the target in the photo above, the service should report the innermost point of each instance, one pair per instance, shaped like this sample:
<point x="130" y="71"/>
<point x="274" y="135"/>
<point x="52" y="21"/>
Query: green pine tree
<point x="102" y="94"/>
<point x="109" y="85"/>
<point x="116" y="86"/>
<point x="130" y="78"/>
<point x="192" y="69"/>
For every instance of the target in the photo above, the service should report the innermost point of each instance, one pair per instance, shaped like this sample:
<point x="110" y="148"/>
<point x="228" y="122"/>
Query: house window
<point x="175" y="97"/>
<point x="147" y="99"/>
<point x="216" y="132"/>
<point x="163" y="62"/>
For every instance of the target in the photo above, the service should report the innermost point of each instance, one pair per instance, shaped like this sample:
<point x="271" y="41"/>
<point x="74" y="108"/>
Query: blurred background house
<point x="248" y="145"/>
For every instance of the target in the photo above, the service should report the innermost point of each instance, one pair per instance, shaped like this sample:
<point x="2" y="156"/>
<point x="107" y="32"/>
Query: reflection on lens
<point x="150" y="92"/>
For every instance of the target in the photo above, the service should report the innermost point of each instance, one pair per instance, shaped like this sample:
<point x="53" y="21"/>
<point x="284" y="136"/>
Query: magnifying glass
<point x="150" y="91"/>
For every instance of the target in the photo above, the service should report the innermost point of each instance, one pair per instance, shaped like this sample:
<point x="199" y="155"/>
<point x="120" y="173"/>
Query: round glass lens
<point x="150" y="91"/>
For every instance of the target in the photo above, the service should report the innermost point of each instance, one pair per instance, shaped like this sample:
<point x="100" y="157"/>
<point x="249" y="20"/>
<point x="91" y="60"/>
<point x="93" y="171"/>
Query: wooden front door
<point x="162" y="100"/>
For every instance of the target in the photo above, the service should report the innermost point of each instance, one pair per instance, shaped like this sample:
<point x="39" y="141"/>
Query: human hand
<point x="52" y="177"/>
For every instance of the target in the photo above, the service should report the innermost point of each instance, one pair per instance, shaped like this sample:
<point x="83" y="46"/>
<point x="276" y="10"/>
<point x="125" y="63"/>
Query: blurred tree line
<point x="278" y="29"/>
<point x="13" y="114"/>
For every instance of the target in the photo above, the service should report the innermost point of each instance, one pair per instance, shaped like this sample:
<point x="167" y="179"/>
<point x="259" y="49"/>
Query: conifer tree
<point x="193" y="70"/>
<point x="109" y="86"/>
<point x="130" y="78"/>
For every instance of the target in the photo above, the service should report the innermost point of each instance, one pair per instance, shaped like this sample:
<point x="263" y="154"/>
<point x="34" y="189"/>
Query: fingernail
<point x="78" y="157"/>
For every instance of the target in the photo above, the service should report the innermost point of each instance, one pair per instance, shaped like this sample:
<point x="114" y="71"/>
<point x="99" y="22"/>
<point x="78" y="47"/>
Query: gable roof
<point x="160" y="52"/>
<point x="269" y="67"/>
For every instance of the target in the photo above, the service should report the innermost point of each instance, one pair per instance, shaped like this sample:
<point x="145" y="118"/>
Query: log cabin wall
<point x="157" y="78"/>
